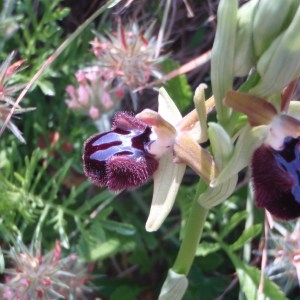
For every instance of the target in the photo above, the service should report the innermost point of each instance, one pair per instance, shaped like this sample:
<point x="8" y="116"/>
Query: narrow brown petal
<point x="153" y="118"/>
<point x="258" y="110"/>
<point x="287" y="94"/>
<point x="189" y="151"/>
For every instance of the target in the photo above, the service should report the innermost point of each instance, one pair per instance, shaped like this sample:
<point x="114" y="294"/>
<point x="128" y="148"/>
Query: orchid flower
<point x="275" y="154"/>
<point x="158" y="144"/>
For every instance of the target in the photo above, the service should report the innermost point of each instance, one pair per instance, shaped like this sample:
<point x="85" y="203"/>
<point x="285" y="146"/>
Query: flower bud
<point x="222" y="67"/>
<point x="244" y="58"/>
<point x="265" y="30"/>
<point x="280" y="63"/>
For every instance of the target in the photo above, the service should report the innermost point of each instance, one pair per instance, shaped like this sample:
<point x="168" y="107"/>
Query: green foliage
<point x="106" y="238"/>
<point x="250" y="277"/>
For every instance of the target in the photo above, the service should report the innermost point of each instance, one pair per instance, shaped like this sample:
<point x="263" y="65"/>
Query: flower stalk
<point x="191" y="239"/>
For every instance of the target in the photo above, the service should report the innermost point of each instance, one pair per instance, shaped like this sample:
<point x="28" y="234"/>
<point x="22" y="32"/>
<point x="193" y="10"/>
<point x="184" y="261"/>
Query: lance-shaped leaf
<point x="265" y="30"/>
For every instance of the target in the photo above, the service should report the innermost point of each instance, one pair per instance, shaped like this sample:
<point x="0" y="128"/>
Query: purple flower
<point x="275" y="162"/>
<point x="276" y="179"/>
<point x="118" y="159"/>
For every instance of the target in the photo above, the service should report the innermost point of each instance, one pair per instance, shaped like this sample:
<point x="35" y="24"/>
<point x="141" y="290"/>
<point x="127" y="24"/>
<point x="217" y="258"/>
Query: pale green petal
<point x="199" y="101"/>
<point x="249" y="139"/>
<point x="167" y="108"/>
<point x="167" y="180"/>
<point x="222" y="148"/>
<point x="174" y="287"/>
<point x="220" y="142"/>
<point x="168" y="177"/>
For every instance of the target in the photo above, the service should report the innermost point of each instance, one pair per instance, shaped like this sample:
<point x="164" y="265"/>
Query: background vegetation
<point x="44" y="195"/>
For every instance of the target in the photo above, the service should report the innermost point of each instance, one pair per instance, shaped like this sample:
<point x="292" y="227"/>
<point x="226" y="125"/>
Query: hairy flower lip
<point x="273" y="186"/>
<point x="117" y="159"/>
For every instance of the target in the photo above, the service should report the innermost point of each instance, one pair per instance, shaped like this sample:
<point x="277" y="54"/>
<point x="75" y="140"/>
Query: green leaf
<point x="47" y="87"/>
<point x="102" y="250"/>
<point x="125" y="292"/>
<point x="96" y="243"/>
<point x="121" y="228"/>
<point x="178" y="87"/>
<point x="206" y="248"/>
<point x="249" y="278"/>
<point x="246" y="236"/>
<point x="234" y="221"/>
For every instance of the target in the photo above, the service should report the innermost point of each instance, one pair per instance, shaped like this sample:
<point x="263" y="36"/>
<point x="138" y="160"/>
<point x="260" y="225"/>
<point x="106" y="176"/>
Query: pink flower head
<point x="80" y="76"/>
<point x="83" y="95"/>
<point x="106" y="101"/>
<point x="94" y="113"/>
<point x="95" y="94"/>
<point x="33" y="276"/>
<point x="130" y="54"/>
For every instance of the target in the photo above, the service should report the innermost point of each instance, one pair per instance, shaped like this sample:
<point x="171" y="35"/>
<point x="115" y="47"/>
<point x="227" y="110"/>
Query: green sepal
<point x="174" y="286"/>
<point x="249" y="140"/>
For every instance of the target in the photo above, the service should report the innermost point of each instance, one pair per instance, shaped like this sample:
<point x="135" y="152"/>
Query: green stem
<point x="191" y="239"/>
